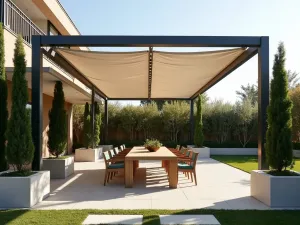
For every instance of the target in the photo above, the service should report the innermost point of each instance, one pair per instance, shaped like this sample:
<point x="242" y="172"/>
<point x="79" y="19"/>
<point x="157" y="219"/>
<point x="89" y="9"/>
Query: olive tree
<point x="175" y="116"/>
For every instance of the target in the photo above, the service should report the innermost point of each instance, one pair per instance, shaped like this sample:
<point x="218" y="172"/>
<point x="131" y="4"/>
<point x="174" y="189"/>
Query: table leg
<point x="128" y="173"/>
<point x="173" y="173"/>
<point x="135" y="166"/>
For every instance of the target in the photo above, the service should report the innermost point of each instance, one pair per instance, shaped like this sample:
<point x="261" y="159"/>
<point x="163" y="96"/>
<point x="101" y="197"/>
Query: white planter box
<point x="204" y="152"/>
<point x="88" y="155"/>
<point x="296" y="153"/>
<point x="276" y="191"/>
<point x="106" y="147"/>
<point x="233" y="151"/>
<point x="59" y="168"/>
<point x="24" y="192"/>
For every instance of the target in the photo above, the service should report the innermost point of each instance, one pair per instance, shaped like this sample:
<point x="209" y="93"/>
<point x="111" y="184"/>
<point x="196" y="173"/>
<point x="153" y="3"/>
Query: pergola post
<point x="105" y="121"/>
<point x="263" y="100"/>
<point x="93" y="117"/>
<point x="192" y="121"/>
<point x="37" y="102"/>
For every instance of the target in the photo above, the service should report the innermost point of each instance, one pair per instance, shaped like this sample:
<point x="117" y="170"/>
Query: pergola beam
<point x="244" y="57"/>
<point x="150" y="65"/>
<point x="154" y="41"/>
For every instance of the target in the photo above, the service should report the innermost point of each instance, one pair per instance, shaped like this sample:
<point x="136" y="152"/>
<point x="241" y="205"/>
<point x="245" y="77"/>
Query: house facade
<point x="42" y="17"/>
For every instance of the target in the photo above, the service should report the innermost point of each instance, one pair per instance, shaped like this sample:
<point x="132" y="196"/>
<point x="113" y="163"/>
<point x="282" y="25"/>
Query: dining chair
<point x="111" y="167"/>
<point x="188" y="166"/>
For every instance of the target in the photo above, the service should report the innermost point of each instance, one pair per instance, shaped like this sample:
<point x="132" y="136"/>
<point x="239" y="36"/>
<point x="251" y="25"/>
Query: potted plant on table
<point x="152" y="145"/>
<point x="60" y="165"/>
<point x="278" y="187"/>
<point x="203" y="151"/>
<point x="21" y="187"/>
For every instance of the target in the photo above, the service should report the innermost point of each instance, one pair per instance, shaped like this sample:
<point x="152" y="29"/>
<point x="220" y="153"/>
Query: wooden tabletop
<point x="141" y="153"/>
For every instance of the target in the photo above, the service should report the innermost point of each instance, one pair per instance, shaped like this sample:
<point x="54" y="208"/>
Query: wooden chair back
<point x="112" y="153"/>
<point x="106" y="157"/>
<point x="194" y="159"/>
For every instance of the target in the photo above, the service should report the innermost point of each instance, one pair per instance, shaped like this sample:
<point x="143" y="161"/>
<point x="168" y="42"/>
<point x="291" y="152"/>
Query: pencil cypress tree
<point x="58" y="131"/>
<point x="3" y="103"/>
<point x="87" y="139"/>
<point x="20" y="147"/>
<point x="198" y="133"/>
<point x="279" y="133"/>
<point x="97" y="124"/>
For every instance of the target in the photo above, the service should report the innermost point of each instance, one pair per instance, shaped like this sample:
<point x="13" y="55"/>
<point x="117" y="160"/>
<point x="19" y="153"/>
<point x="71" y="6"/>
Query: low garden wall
<point x="233" y="151"/>
<point x="242" y="151"/>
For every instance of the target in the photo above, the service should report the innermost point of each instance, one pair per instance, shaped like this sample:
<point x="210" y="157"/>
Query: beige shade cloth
<point x="181" y="75"/>
<point x="116" y="74"/>
<point x="174" y="74"/>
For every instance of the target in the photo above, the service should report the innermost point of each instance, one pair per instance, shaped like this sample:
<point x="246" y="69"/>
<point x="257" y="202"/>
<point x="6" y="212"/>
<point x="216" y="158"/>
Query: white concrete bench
<point x="188" y="219"/>
<point x="114" y="219"/>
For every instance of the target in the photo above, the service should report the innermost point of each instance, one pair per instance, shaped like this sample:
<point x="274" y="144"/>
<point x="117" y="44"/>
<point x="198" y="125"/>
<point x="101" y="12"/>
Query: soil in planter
<point x="282" y="173"/>
<point x="60" y="157"/>
<point x="18" y="174"/>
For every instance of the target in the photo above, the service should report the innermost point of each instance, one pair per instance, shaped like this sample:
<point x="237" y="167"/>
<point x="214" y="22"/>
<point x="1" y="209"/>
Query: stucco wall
<point x="47" y="103"/>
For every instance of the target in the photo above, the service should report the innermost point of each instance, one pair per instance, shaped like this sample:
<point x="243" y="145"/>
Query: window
<point x="52" y="29"/>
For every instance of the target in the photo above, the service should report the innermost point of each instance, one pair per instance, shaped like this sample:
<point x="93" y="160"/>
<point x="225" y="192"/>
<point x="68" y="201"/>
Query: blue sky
<point x="278" y="19"/>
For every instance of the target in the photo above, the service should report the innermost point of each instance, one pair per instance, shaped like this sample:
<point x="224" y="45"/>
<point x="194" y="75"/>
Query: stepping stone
<point x="188" y="219"/>
<point x="113" y="219"/>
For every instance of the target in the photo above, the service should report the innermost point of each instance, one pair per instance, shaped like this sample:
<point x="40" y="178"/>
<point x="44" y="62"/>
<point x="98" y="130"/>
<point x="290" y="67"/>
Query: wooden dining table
<point x="141" y="153"/>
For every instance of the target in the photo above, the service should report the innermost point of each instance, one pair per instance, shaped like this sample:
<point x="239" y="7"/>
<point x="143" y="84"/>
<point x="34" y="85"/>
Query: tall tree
<point x="20" y="147"/>
<point x="97" y="124"/>
<point x="58" y="130"/>
<point x="198" y="134"/>
<point x="3" y="103"/>
<point x="246" y="121"/>
<point x="175" y="116"/>
<point x="248" y="92"/>
<point x="293" y="79"/>
<point x="87" y="138"/>
<point x="279" y="133"/>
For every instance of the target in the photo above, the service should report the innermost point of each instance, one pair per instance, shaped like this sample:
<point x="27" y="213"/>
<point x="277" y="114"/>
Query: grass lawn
<point x="245" y="163"/>
<point x="76" y="217"/>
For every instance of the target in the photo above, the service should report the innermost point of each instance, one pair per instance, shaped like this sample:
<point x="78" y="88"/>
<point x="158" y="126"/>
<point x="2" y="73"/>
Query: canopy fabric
<point x="116" y="74"/>
<point x="122" y="75"/>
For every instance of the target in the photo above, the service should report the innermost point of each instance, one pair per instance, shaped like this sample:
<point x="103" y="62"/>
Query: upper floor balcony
<point x="18" y="23"/>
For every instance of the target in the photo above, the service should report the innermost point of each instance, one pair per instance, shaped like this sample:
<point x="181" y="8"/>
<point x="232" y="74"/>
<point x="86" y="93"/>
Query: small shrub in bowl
<point x="152" y="145"/>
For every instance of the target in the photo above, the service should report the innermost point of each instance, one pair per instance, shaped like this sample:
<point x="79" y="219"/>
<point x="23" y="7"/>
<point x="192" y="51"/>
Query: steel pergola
<point x="255" y="44"/>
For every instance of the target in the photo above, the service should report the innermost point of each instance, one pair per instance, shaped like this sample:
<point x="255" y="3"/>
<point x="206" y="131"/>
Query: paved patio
<point x="219" y="187"/>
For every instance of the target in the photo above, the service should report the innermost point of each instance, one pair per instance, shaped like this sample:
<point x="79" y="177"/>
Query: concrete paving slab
<point x="188" y="219"/>
<point x="219" y="187"/>
<point x="113" y="219"/>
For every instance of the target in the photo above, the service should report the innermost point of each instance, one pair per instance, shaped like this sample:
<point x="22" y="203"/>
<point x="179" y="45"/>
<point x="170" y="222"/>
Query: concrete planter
<point x="233" y="151"/>
<point x="276" y="191"/>
<point x="59" y="168"/>
<point x="24" y="192"/>
<point x="296" y="153"/>
<point x="106" y="147"/>
<point x="88" y="155"/>
<point x="204" y="152"/>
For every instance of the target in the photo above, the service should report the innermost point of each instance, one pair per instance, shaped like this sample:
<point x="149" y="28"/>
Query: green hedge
<point x="211" y="144"/>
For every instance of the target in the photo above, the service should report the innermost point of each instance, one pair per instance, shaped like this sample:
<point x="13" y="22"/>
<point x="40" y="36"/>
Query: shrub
<point x="97" y="124"/>
<point x="87" y="137"/>
<point x="279" y="133"/>
<point x="198" y="134"/>
<point x="3" y="103"/>
<point x="20" y="147"/>
<point x="58" y="131"/>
